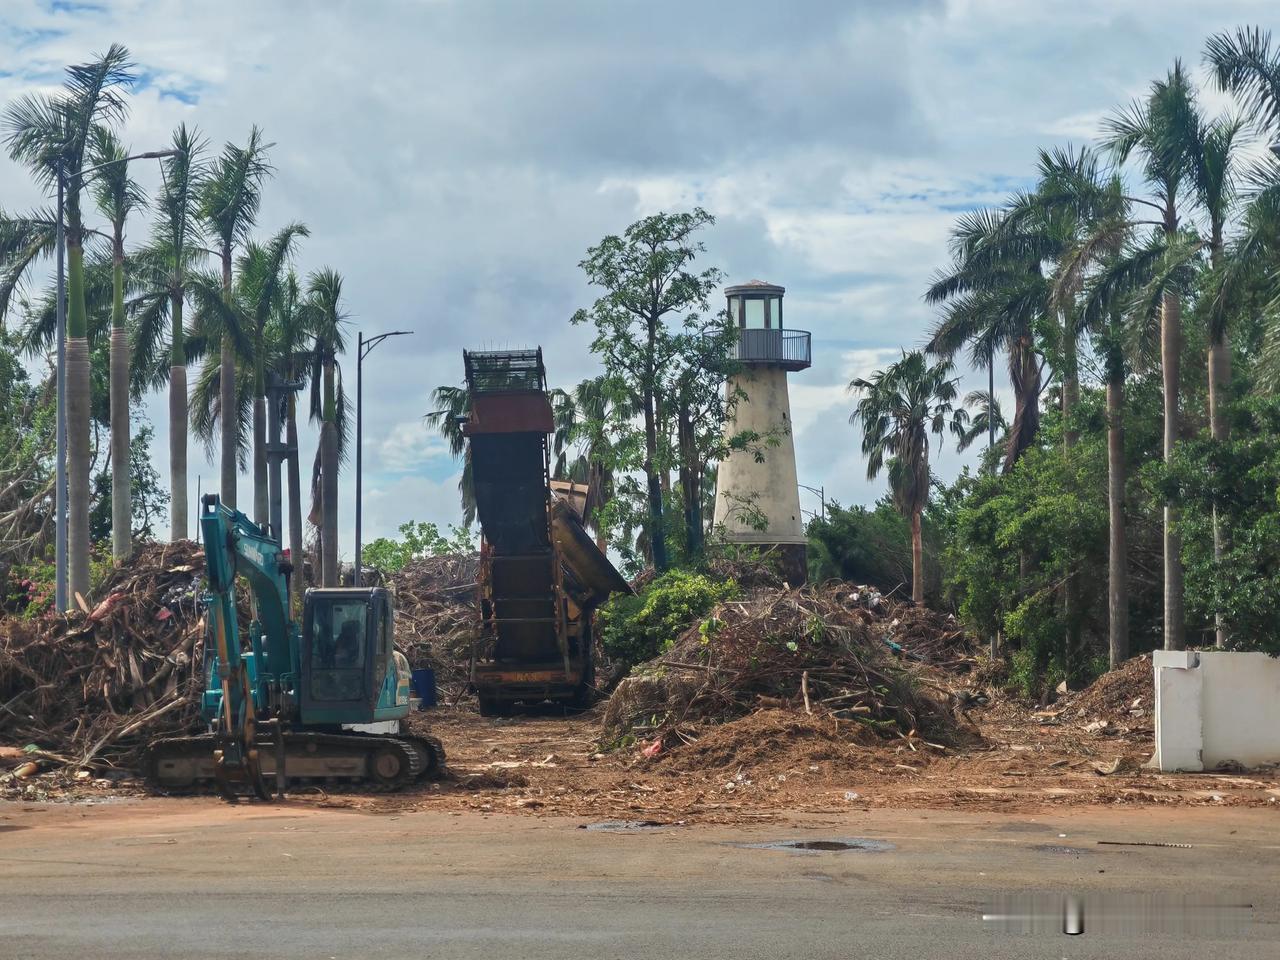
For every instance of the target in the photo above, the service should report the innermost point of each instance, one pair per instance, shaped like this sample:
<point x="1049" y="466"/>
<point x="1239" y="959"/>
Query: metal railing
<point x="789" y="349"/>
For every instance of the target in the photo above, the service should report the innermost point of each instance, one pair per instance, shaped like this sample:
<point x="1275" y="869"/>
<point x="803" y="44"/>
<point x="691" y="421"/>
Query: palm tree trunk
<point x="329" y="483"/>
<point x="657" y="536"/>
<point x="1219" y="383"/>
<point x="298" y="583"/>
<point x="917" y="558"/>
<point x="1072" y="653"/>
<point x="77" y="359"/>
<point x="1024" y="375"/>
<point x="228" y="414"/>
<point x="1118" y="556"/>
<point x="261" y="502"/>
<point x="121" y="495"/>
<point x="1170" y="349"/>
<point x="178" y="523"/>
<point x="1070" y="384"/>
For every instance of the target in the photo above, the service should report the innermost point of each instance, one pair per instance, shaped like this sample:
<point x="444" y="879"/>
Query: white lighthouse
<point x="758" y="502"/>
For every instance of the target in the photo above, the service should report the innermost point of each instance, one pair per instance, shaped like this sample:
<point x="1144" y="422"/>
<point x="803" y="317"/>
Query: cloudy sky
<point x="455" y="158"/>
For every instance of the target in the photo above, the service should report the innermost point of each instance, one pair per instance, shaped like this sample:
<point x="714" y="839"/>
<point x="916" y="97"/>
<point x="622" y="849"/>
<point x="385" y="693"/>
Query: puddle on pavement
<point x="624" y="826"/>
<point x="844" y="845"/>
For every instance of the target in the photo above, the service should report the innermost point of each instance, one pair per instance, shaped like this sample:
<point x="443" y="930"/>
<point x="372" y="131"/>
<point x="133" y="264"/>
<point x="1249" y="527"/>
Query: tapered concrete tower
<point x="759" y="502"/>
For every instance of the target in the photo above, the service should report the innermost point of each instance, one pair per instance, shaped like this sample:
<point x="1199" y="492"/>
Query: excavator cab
<point x="350" y="673"/>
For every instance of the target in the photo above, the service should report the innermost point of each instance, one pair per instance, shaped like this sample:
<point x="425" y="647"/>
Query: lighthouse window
<point x="754" y="318"/>
<point x="735" y="309"/>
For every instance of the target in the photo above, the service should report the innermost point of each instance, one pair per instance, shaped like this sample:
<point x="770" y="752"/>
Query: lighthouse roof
<point x="757" y="287"/>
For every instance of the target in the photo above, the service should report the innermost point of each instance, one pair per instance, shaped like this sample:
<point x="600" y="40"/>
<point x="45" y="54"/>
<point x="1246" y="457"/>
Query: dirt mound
<point x="1116" y="695"/>
<point x="90" y="689"/>
<point x="773" y="741"/>
<point x="818" y="649"/>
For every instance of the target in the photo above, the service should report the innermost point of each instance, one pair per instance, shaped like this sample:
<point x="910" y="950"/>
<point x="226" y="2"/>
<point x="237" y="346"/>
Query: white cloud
<point x="408" y="446"/>
<point x="454" y="160"/>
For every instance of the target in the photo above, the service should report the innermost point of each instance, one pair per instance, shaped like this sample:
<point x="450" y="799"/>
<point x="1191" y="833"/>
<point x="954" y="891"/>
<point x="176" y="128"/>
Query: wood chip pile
<point x="830" y="650"/>
<point x="90" y="689"/>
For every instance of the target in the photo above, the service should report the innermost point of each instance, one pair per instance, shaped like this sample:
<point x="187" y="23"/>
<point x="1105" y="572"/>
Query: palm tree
<point x="229" y="204"/>
<point x="1245" y="64"/>
<point x="290" y="343"/>
<point x="327" y="319"/>
<point x="24" y="239"/>
<point x="583" y="448"/>
<point x="117" y="196"/>
<point x="242" y="320"/>
<point x="452" y="406"/>
<point x="987" y="419"/>
<point x="51" y="134"/>
<point x="1213" y="170"/>
<point x="900" y="406"/>
<point x="262" y="270"/>
<point x="994" y="296"/>
<point x="159" y="295"/>
<point x="1164" y="130"/>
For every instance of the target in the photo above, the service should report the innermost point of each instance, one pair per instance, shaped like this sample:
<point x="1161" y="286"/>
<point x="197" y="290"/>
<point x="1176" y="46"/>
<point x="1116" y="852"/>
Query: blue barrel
<point x="424" y="686"/>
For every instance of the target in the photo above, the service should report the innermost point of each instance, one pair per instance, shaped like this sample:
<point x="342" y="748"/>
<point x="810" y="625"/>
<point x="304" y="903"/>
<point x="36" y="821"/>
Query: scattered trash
<point x="851" y="795"/>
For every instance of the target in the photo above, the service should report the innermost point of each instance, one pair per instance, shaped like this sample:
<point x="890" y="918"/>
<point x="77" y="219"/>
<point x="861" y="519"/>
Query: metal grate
<point x="504" y="371"/>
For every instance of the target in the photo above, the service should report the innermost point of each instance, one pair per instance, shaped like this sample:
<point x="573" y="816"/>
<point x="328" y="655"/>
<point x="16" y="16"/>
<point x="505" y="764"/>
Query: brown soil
<point x="1121" y="695"/>
<point x="767" y="765"/>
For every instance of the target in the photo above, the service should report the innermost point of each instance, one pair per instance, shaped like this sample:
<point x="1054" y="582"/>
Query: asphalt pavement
<point x="194" y="878"/>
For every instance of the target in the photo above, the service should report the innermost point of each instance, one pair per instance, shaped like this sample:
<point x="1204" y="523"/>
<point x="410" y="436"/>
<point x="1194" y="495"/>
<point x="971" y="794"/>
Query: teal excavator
<point x="321" y="700"/>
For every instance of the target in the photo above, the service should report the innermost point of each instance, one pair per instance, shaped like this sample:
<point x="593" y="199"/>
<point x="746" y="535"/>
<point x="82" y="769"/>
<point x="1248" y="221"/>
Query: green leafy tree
<point x="899" y="407"/>
<point x="417" y="539"/>
<point x="649" y="279"/>
<point x="148" y="496"/>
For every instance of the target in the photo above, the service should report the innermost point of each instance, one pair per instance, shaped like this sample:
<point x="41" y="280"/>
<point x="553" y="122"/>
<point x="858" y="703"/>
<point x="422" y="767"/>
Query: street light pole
<point x="60" y="598"/>
<point x="363" y="347"/>
<point x="822" y="496"/>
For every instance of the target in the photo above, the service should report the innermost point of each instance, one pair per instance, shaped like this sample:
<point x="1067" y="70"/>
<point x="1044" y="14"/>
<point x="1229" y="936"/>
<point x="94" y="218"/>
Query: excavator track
<point x="374" y="761"/>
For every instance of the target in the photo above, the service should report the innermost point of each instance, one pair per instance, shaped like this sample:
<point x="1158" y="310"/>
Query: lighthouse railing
<point x="790" y="349"/>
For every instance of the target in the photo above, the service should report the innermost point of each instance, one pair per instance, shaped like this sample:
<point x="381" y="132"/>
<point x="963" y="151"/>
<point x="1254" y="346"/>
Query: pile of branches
<point x="89" y="689"/>
<point x="436" y="617"/>
<point x="449" y="577"/>
<point x="817" y="649"/>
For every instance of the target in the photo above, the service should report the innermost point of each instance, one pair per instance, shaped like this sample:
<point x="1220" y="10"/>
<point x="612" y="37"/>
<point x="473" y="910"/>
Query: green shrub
<point x="633" y="629"/>
<point x="418" y="539"/>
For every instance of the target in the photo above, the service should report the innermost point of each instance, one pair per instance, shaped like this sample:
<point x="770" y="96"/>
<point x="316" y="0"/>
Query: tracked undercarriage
<point x="189" y="764"/>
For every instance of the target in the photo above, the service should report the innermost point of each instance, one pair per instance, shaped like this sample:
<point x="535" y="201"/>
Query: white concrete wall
<point x="770" y="486"/>
<point x="1216" y="706"/>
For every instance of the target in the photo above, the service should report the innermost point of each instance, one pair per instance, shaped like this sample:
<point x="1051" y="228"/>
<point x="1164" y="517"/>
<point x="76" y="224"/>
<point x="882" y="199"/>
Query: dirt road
<point x="195" y="878"/>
